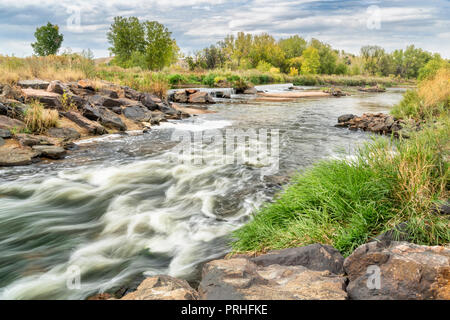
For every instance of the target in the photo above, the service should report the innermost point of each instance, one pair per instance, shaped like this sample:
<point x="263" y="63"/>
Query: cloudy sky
<point x="345" y="24"/>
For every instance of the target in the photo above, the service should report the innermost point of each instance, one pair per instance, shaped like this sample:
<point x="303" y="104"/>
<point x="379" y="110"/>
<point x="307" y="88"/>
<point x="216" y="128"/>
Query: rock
<point x="91" y="126"/>
<point x="16" y="156"/>
<point x="137" y="113"/>
<point x="101" y="296"/>
<point x="99" y="100"/>
<point x="398" y="233"/>
<point x="49" y="99"/>
<point x="58" y="87"/>
<point x="180" y="96"/>
<point x="2" y="142"/>
<point x="250" y="91"/>
<point x="440" y="208"/>
<point x="65" y="133"/>
<point x="86" y="85"/>
<point x="317" y="257"/>
<point x="5" y="133"/>
<point x="33" y="84"/>
<point x="241" y="279"/>
<point x="29" y="140"/>
<point x="406" y="271"/>
<point x="372" y="89"/>
<point x="223" y="95"/>
<point x="117" y="110"/>
<point x="52" y="152"/>
<point x="163" y="288"/>
<point x="9" y="123"/>
<point x="132" y="94"/>
<point x="110" y="120"/>
<point x="3" y="109"/>
<point x="345" y="118"/>
<point x="109" y="93"/>
<point x="200" y="97"/>
<point x="91" y="112"/>
<point x="150" y="101"/>
<point x="13" y="93"/>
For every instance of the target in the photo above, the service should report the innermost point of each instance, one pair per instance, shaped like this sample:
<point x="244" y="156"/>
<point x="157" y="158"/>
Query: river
<point x="124" y="206"/>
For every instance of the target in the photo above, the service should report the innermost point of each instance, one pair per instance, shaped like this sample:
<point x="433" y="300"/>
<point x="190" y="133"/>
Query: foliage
<point x="48" y="40"/>
<point x="311" y="61"/>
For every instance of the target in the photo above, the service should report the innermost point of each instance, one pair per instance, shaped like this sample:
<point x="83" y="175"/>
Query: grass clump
<point x="38" y="119"/>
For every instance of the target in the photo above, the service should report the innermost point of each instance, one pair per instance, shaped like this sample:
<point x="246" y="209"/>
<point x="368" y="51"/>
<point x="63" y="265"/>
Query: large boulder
<point x="16" y="156"/>
<point x="163" y="288"/>
<point x="398" y="270"/>
<point x="58" y="87"/>
<point x="51" y="152"/>
<point x="33" y="84"/>
<point x="132" y="94"/>
<point x="137" y="113"/>
<point x="150" y="101"/>
<point x="10" y="124"/>
<point x="91" y="126"/>
<point x="201" y="97"/>
<point x="64" y="133"/>
<point x="5" y="134"/>
<point x="241" y="279"/>
<point x="110" y="119"/>
<point x="317" y="257"/>
<point x="104" y="101"/>
<point x="180" y="96"/>
<point x="49" y="99"/>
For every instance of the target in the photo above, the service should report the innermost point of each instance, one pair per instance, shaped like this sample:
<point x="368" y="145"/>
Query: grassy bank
<point x="345" y="203"/>
<point x="74" y="67"/>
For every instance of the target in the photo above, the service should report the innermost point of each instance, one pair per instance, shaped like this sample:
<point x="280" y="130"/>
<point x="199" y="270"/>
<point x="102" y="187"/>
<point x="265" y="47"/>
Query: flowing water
<point x="120" y="207"/>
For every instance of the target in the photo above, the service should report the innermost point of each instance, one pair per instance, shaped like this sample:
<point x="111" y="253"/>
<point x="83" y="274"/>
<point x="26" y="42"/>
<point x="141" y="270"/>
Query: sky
<point x="345" y="24"/>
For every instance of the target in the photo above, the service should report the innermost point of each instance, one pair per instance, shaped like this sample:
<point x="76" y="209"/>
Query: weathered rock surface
<point x="373" y="122"/>
<point x="64" y="133"/>
<point x="237" y="279"/>
<point x="48" y="99"/>
<point x="91" y="126"/>
<point x="51" y="152"/>
<point x="5" y="134"/>
<point x="58" y="87"/>
<point x="2" y="142"/>
<point x="163" y="288"/>
<point x="9" y="123"/>
<point x="99" y="100"/>
<point x="137" y="113"/>
<point x="110" y="120"/>
<point x="191" y="96"/>
<point x="33" y="84"/>
<point x="29" y="140"/>
<point x="16" y="156"/>
<point x="317" y="257"/>
<point x="407" y="271"/>
<point x="200" y="97"/>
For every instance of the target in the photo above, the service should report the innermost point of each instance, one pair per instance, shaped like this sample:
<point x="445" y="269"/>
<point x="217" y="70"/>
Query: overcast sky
<point x="346" y="25"/>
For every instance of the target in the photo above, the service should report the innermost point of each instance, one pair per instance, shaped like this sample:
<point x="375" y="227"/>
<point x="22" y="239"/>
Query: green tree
<point x="408" y="62"/>
<point x="328" y="56"/>
<point x="432" y="66"/>
<point x="126" y="36"/>
<point x="311" y="61"/>
<point x="265" y="48"/>
<point x="48" y="40"/>
<point x="160" y="48"/>
<point x="371" y="56"/>
<point x="293" y="46"/>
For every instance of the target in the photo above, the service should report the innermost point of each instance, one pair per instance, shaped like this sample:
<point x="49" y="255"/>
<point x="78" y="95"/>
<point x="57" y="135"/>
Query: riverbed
<point x="122" y="207"/>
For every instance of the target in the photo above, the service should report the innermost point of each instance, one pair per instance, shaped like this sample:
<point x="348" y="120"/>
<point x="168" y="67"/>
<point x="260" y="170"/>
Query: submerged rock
<point x="398" y="270"/>
<point x="163" y="288"/>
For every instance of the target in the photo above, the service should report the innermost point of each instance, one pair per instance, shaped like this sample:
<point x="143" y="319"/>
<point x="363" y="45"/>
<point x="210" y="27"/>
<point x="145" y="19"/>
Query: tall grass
<point x="38" y="119"/>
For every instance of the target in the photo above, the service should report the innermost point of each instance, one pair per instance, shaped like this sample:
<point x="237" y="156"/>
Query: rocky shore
<point x="86" y="108"/>
<point x="377" y="270"/>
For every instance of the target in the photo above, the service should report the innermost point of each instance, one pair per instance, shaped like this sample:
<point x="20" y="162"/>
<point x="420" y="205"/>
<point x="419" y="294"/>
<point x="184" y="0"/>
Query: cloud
<point x="199" y="23"/>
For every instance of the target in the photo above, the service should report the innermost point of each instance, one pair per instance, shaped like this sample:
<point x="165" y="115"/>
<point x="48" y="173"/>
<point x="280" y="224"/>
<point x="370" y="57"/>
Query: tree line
<point x="150" y="45"/>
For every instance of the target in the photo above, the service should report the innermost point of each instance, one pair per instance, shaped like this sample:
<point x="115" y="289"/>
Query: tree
<point x="292" y="46"/>
<point x="126" y="36"/>
<point x="311" y="61"/>
<point x="371" y="56"/>
<point x="328" y="56"/>
<point x="160" y="49"/>
<point x="48" y="40"/>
